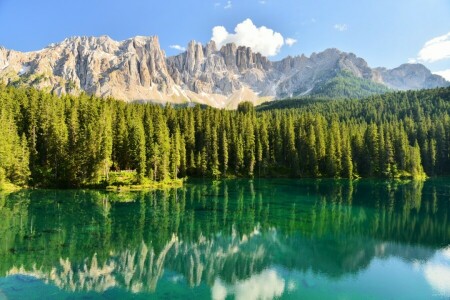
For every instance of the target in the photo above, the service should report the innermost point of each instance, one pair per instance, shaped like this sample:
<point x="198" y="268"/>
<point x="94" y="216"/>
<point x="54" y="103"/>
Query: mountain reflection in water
<point x="239" y="238"/>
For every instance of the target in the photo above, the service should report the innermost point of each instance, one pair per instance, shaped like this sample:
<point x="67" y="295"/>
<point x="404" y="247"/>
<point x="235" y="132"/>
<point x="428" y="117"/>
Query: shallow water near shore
<point x="233" y="239"/>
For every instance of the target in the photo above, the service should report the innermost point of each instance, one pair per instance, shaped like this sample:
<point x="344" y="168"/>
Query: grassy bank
<point x="128" y="181"/>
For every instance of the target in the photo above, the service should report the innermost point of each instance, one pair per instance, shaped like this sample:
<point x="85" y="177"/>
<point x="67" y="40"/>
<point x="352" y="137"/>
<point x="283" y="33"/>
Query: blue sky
<point x="384" y="32"/>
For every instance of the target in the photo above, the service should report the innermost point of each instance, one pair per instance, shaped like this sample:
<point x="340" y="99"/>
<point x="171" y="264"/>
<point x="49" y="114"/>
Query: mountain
<point x="137" y="69"/>
<point x="411" y="77"/>
<point x="131" y="69"/>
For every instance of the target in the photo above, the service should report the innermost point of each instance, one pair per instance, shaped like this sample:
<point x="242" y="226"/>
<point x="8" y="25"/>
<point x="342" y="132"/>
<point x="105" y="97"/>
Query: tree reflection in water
<point x="232" y="236"/>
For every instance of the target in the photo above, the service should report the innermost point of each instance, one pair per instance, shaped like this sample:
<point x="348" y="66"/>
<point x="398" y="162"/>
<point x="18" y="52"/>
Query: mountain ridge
<point x="138" y="69"/>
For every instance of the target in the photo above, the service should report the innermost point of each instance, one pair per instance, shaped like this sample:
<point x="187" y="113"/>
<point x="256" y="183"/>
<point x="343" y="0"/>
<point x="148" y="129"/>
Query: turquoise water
<point x="236" y="239"/>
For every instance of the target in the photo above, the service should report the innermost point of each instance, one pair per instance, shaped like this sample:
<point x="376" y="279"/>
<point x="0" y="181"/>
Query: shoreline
<point x="178" y="183"/>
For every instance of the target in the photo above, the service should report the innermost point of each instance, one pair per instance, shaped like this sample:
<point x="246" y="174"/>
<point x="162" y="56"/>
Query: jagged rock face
<point x="137" y="69"/>
<point x="411" y="76"/>
<point x="3" y="58"/>
<point x="130" y="69"/>
<point x="207" y="70"/>
<point x="301" y="74"/>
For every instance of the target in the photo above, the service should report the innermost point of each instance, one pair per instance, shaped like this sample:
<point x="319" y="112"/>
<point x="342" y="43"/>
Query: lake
<point x="234" y="239"/>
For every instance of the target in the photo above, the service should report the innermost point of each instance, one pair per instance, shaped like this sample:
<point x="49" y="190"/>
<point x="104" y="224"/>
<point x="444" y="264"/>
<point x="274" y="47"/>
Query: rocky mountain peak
<point x="210" y="48"/>
<point x="3" y="58"/>
<point x="228" y="53"/>
<point x="411" y="76"/>
<point x="194" y="57"/>
<point x="102" y="43"/>
<point x="203" y="69"/>
<point x="413" y="68"/>
<point x="137" y="69"/>
<point x="131" y="69"/>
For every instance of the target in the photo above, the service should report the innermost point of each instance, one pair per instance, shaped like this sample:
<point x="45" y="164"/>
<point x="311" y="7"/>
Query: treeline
<point x="48" y="140"/>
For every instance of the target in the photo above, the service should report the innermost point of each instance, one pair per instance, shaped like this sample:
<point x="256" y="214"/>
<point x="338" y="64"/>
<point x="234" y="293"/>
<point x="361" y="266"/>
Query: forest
<point x="78" y="141"/>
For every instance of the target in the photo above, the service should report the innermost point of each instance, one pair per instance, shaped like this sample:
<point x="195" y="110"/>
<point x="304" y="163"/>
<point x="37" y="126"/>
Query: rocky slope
<point x="411" y="76"/>
<point x="131" y="69"/>
<point x="137" y="69"/>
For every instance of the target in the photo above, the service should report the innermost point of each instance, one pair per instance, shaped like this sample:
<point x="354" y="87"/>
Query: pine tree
<point x="175" y="154"/>
<point x="224" y="147"/>
<point x="77" y="140"/>
<point x="21" y="172"/>
<point x="137" y="149"/>
<point x="161" y="148"/>
<point x="347" y="164"/>
<point x="414" y="161"/>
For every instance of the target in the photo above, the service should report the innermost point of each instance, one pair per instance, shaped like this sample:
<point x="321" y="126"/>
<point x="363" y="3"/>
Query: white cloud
<point x="437" y="272"/>
<point x="340" y="27"/>
<point x="228" y="5"/>
<point x="261" y="39"/>
<point x="177" y="47"/>
<point x="266" y="285"/>
<point x="446" y="253"/>
<point x="438" y="276"/>
<point x="262" y="2"/>
<point x="446" y="75"/>
<point x="290" y="41"/>
<point x="218" y="290"/>
<point x="435" y="49"/>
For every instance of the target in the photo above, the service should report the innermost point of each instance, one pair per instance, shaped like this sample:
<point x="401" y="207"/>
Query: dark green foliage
<point x="343" y="85"/>
<point x="76" y="140"/>
<point x="346" y="85"/>
<point x="246" y="107"/>
<point x="14" y="152"/>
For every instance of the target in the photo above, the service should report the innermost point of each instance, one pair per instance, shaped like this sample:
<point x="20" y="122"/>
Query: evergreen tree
<point x="77" y="140"/>
<point x="137" y="152"/>
<point x="224" y="147"/>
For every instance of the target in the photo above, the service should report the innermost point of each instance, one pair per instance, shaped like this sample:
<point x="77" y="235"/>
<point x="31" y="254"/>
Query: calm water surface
<point x="238" y="239"/>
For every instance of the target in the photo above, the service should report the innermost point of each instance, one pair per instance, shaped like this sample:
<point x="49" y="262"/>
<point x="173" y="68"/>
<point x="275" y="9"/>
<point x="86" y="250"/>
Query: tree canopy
<point x="72" y="141"/>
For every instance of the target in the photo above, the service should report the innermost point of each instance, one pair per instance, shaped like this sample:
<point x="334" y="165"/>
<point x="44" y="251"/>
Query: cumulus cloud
<point x="290" y="41"/>
<point x="446" y="75"/>
<point x="446" y="253"/>
<point x="438" y="277"/>
<point x="266" y="285"/>
<point x="219" y="290"/>
<point x="435" y="49"/>
<point x="177" y="47"/>
<point x="261" y="39"/>
<point x="437" y="272"/>
<point x="340" y="27"/>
